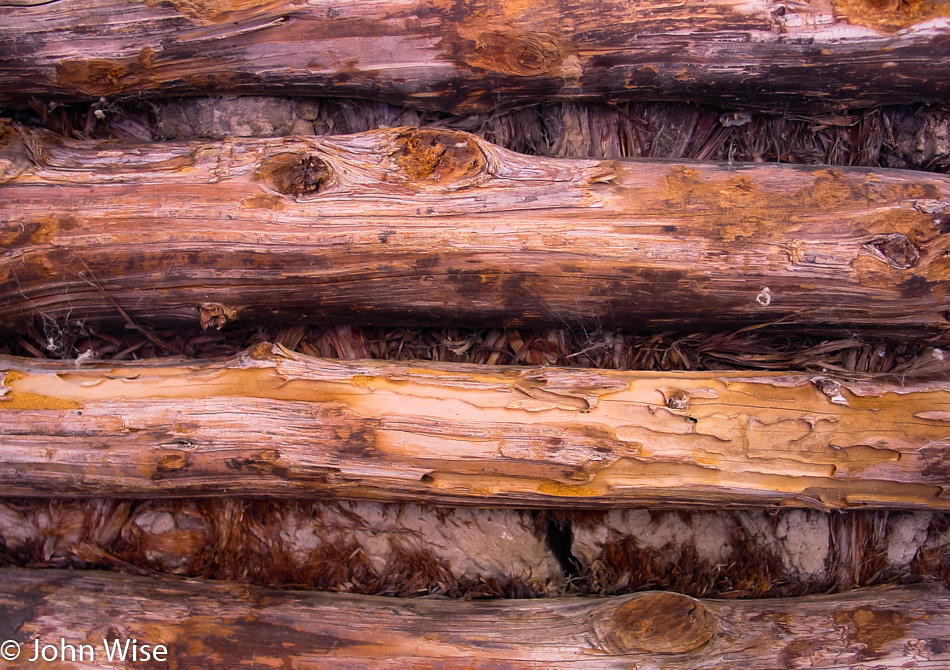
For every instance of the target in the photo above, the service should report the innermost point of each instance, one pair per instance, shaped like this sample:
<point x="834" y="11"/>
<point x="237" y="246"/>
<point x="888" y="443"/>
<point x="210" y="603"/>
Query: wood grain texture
<point x="475" y="56"/>
<point x="219" y="625"/>
<point x="424" y="227"/>
<point x="281" y="424"/>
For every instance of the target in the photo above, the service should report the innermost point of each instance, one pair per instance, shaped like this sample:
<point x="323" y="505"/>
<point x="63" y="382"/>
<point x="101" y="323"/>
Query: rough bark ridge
<point x="229" y="625"/>
<point x="281" y="424"/>
<point x="415" y="226"/>
<point x="469" y="56"/>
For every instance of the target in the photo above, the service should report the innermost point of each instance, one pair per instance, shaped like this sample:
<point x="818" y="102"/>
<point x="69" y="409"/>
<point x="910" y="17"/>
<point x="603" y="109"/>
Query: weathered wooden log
<point x="58" y="615"/>
<point x="281" y="424"/>
<point x="410" y="226"/>
<point x="475" y="56"/>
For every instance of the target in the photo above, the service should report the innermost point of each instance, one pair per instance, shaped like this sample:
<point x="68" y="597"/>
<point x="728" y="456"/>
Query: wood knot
<point x="170" y="463"/>
<point x="515" y="53"/>
<point x="659" y="623"/>
<point x="436" y="157"/>
<point x="294" y="173"/>
<point x="895" y="250"/>
<point x="534" y="54"/>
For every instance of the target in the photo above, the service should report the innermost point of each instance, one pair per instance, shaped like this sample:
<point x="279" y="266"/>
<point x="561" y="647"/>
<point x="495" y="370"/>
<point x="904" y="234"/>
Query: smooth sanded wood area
<point x="477" y="55"/>
<point x="276" y="423"/>
<point x="220" y="625"/>
<point x="426" y="227"/>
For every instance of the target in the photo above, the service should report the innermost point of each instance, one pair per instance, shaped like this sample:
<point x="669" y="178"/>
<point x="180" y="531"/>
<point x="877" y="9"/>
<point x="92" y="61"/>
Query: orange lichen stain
<point x="210" y="9"/>
<point x="889" y="16"/>
<point x="852" y="460"/>
<point x="38" y="231"/>
<point x="745" y="207"/>
<point x="96" y="76"/>
<point x="552" y="488"/>
<point x="683" y="75"/>
<point x="30" y="401"/>
<point x="173" y="461"/>
<point x="362" y="380"/>
<point x="433" y="157"/>
<point x="262" y="201"/>
<point x="707" y="459"/>
<point x="872" y="628"/>
<point x="102" y="77"/>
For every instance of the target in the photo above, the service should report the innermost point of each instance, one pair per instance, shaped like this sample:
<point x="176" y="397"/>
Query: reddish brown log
<point x="280" y="424"/>
<point x="474" y="56"/>
<point x="215" y="625"/>
<point x="424" y="227"/>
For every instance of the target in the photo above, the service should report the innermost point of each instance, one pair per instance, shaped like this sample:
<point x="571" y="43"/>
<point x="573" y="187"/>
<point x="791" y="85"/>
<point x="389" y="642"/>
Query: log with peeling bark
<point x="474" y="56"/>
<point x="217" y="625"/>
<point x="421" y="227"/>
<point x="275" y="423"/>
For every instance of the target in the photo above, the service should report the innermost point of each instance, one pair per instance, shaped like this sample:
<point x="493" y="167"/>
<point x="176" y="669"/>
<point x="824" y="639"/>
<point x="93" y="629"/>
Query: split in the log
<point x="424" y="227"/>
<point x="275" y="423"/>
<point x="220" y="625"/>
<point x="476" y="56"/>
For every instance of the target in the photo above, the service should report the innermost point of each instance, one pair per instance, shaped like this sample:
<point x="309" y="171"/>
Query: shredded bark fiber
<point x="409" y="550"/>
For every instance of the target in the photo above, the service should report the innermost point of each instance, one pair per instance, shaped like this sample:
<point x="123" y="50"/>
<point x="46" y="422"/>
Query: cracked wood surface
<point x="276" y="423"/>
<point x="478" y="55"/>
<point x="220" y="625"/>
<point x="424" y="227"/>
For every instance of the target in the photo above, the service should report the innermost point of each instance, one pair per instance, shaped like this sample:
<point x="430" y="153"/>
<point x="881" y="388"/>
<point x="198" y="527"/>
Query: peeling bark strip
<point x="474" y="56"/>
<point x="421" y="227"/>
<point x="275" y="423"/>
<point x="221" y="625"/>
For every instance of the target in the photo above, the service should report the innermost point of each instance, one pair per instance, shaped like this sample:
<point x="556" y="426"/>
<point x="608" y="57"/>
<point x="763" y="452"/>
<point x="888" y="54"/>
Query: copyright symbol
<point x="9" y="650"/>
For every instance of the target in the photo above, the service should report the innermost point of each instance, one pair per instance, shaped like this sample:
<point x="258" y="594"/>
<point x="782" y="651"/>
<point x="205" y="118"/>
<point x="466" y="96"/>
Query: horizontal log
<point x="275" y="423"/>
<point x="220" y="625"/>
<point x="417" y="227"/>
<point x="474" y="56"/>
